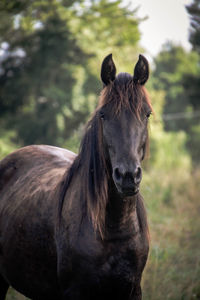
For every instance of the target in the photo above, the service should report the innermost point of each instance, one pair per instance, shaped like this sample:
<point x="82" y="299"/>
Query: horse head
<point x="124" y="110"/>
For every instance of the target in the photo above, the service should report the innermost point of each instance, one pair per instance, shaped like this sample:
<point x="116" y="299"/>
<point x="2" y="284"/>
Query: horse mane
<point x="124" y="93"/>
<point x="91" y="161"/>
<point x="91" y="164"/>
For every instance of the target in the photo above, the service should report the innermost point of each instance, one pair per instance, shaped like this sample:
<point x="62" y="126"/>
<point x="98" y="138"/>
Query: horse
<point x="74" y="227"/>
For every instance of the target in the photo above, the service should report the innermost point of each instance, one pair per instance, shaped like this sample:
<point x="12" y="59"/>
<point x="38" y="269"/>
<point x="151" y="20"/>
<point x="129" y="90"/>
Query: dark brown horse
<point x="74" y="227"/>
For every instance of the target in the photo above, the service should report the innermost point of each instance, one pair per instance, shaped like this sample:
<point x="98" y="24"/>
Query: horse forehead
<point x="123" y="130"/>
<point x="126" y="119"/>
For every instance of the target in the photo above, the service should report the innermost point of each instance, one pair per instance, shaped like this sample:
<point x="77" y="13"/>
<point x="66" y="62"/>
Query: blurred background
<point x="50" y="58"/>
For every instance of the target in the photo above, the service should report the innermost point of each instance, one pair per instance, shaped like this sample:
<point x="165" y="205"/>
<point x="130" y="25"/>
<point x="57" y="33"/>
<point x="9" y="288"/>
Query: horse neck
<point x="121" y="215"/>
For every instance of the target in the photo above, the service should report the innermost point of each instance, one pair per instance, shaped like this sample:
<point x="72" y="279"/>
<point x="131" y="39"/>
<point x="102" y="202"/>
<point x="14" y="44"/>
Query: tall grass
<point x="173" y="268"/>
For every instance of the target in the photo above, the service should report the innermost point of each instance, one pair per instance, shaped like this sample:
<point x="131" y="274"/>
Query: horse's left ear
<point x="108" y="70"/>
<point x="141" y="71"/>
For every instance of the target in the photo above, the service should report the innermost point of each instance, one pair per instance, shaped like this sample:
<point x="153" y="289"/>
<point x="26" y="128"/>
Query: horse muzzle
<point x="127" y="182"/>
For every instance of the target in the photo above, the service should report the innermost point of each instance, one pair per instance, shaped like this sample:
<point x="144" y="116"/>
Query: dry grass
<point x="173" y="269"/>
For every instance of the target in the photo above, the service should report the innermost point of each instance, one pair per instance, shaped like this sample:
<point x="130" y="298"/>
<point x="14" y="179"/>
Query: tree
<point x="36" y="79"/>
<point x="172" y="65"/>
<point x="192" y="81"/>
<point x="177" y="72"/>
<point x="194" y="11"/>
<point x="48" y="74"/>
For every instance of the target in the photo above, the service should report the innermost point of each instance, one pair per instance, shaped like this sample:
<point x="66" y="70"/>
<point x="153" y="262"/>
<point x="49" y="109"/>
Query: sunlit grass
<point x="173" y="268"/>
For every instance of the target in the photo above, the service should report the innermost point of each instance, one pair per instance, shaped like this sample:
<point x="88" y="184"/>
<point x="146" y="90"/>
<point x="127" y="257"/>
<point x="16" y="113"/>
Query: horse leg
<point x="3" y="288"/>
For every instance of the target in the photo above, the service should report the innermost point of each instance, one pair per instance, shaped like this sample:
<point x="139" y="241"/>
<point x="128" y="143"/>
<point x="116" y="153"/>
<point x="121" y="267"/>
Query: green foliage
<point x="167" y="148"/>
<point x="36" y="81"/>
<point x="7" y="142"/>
<point x="112" y="28"/>
<point x="172" y="64"/>
<point x="50" y="63"/>
<point x="168" y="159"/>
<point x="177" y="73"/>
<point x="194" y="11"/>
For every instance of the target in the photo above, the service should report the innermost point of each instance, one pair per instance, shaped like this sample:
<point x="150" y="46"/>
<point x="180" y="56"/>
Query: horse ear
<point x="141" y="71"/>
<point x="108" y="70"/>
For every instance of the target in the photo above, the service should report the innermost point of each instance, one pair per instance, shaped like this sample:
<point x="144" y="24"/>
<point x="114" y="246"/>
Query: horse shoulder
<point x="29" y="178"/>
<point x="38" y="160"/>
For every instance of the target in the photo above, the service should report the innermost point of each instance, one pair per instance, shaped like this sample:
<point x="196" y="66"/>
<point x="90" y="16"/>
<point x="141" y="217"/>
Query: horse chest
<point x="124" y="262"/>
<point x="115" y="274"/>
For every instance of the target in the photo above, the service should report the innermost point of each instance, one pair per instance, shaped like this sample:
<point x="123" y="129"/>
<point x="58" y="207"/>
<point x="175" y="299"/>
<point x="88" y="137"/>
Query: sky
<point x="168" y="21"/>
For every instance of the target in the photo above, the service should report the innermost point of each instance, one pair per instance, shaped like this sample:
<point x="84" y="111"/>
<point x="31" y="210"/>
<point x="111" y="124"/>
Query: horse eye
<point x="102" y="115"/>
<point x="148" y="114"/>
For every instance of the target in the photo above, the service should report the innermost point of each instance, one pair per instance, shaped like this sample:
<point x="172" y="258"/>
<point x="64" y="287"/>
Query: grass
<point x="173" y="269"/>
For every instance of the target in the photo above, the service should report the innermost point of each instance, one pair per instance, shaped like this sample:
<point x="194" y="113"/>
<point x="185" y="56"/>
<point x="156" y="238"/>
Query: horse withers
<point x="72" y="226"/>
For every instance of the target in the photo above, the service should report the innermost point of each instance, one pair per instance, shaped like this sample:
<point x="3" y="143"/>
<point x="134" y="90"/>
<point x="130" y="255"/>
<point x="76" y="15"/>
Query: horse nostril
<point x="138" y="175"/>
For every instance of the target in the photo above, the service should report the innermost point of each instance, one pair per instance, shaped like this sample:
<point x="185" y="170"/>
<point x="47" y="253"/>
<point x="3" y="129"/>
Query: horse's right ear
<point x="108" y="70"/>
